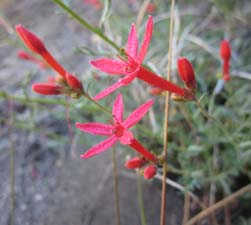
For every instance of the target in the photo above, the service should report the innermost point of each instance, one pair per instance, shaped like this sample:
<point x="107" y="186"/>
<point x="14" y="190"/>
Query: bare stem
<point x="115" y="186"/>
<point x="220" y="204"/>
<point x="12" y="166"/>
<point x="165" y="138"/>
<point x="141" y="201"/>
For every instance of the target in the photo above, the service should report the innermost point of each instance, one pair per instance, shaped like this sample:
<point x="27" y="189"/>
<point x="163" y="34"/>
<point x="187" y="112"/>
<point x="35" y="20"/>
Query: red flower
<point x="136" y="162"/>
<point x="47" y="88"/>
<point x="150" y="171"/>
<point x="118" y="131"/>
<point x="131" y="66"/>
<point x="37" y="46"/>
<point x="186" y="72"/>
<point x="225" y="52"/>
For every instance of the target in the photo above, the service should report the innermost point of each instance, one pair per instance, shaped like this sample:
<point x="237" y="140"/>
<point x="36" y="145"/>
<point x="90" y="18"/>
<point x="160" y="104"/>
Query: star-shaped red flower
<point x="118" y="130"/>
<point x="131" y="66"/>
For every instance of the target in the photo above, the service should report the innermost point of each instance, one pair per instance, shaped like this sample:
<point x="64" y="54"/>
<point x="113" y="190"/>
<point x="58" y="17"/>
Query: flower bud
<point x="156" y="91"/>
<point x="225" y="50"/>
<point x="150" y="171"/>
<point x="47" y="89"/>
<point x="134" y="163"/>
<point x="30" y="40"/>
<point x="186" y="72"/>
<point x="74" y="83"/>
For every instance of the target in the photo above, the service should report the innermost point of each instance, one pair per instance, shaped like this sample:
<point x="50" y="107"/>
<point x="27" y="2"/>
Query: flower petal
<point x="108" y="90"/>
<point x="118" y="108"/>
<point x="109" y="65"/>
<point x="137" y="114"/>
<point x="146" y="40"/>
<point x="132" y="42"/>
<point x="100" y="147"/>
<point x="96" y="128"/>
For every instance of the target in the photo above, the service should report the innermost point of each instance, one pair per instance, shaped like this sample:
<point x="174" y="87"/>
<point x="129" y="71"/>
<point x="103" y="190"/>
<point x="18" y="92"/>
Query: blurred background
<point x="52" y="184"/>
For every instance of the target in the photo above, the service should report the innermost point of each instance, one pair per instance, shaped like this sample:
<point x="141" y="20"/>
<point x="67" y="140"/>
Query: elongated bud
<point x="150" y="171"/>
<point x="186" y="72"/>
<point x="134" y="163"/>
<point x="47" y="89"/>
<point x="225" y="50"/>
<point x="30" y="40"/>
<point x="74" y="82"/>
<point x="156" y="91"/>
<point x="25" y="56"/>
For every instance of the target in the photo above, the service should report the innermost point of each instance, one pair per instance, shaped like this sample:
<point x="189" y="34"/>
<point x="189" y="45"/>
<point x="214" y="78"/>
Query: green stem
<point x="141" y="201"/>
<point x="97" y="104"/>
<point x="115" y="185"/>
<point x="86" y="24"/>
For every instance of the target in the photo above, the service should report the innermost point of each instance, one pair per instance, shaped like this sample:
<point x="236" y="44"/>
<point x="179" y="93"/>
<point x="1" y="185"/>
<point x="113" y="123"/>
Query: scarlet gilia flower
<point x="150" y="171"/>
<point x="131" y="66"/>
<point x="135" y="163"/>
<point x="26" y="56"/>
<point x="69" y="83"/>
<point x="225" y="53"/>
<point x="118" y="130"/>
<point x="186" y="72"/>
<point x="156" y="91"/>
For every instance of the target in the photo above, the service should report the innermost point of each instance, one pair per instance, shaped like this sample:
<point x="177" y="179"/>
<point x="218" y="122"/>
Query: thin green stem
<point x="98" y="105"/>
<point x="141" y="201"/>
<point x="115" y="185"/>
<point x="84" y="23"/>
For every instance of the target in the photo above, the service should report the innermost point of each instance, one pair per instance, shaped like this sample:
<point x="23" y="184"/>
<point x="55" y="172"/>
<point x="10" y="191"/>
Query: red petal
<point x="109" y="65"/>
<point x="118" y="108"/>
<point x="100" y="147"/>
<point x="132" y="42"/>
<point x="47" y="89"/>
<point x="137" y="114"/>
<point x="96" y="128"/>
<point x="108" y="90"/>
<point x="146" y="40"/>
<point x="30" y="40"/>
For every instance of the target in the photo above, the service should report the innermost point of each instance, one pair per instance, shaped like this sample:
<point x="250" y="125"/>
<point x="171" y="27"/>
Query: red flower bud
<point x="186" y="72"/>
<point x="30" y="40"/>
<point x="25" y="56"/>
<point x="47" y="89"/>
<point x="73" y="82"/>
<point x="225" y="50"/>
<point x="134" y="163"/>
<point x="151" y="8"/>
<point x="156" y="91"/>
<point x="150" y="171"/>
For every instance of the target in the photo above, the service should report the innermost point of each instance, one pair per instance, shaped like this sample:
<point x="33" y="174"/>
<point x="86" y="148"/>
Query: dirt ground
<point x="51" y="186"/>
